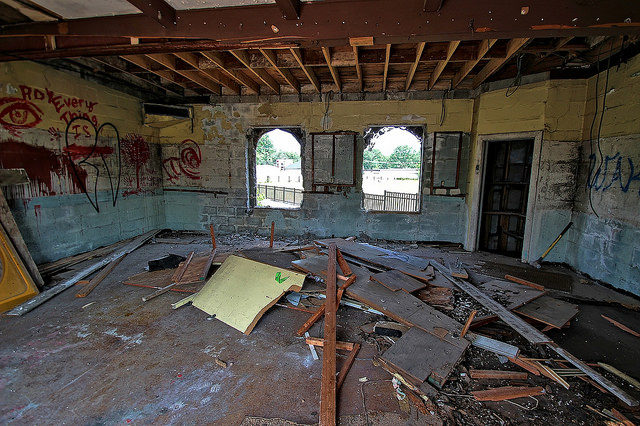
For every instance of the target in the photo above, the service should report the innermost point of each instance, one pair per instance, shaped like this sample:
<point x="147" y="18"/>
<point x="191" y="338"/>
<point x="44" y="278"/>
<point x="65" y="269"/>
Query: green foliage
<point x="266" y="154"/>
<point x="403" y="157"/>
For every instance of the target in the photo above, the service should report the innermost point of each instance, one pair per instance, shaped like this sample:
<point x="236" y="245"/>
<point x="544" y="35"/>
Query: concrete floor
<point x="111" y="358"/>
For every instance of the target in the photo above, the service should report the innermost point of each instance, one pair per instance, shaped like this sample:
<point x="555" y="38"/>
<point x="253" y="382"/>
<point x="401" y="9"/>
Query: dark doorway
<point x="506" y="189"/>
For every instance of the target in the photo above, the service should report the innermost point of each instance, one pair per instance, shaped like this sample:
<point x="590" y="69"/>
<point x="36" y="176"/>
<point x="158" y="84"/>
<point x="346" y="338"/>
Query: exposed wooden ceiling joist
<point x="453" y="45"/>
<point x="414" y="66"/>
<point x="334" y="72"/>
<point x="484" y="47"/>
<point x="147" y="64"/>
<point x="193" y="60"/>
<point x="386" y="67"/>
<point x="495" y="64"/>
<point x="169" y="61"/>
<point x="285" y="73"/>
<point x="216" y="58"/>
<point x="358" y="68"/>
<point x="259" y="73"/>
<point x="297" y="54"/>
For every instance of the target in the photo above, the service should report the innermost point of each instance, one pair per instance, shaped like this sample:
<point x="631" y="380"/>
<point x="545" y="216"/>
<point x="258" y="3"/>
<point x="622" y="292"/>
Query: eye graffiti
<point x="101" y="146"/>
<point x="187" y="164"/>
<point x="16" y="114"/>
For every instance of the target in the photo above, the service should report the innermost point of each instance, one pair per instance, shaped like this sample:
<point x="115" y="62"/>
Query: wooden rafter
<point x="147" y="64"/>
<point x="387" y="56"/>
<point x="494" y="65"/>
<point x="414" y="66"/>
<point x="217" y="76"/>
<point x="169" y="61"/>
<point x="285" y="73"/>
<point x="297" y="54"/>
<point x="358" y="68"/>
<point x="121" y="66"/>
<point x="260" y="73"/>
<point x="334" y="72"/>
<point x="453" y="45"/>
<point x="238" y="76"/>
<point x="484" y="47"/>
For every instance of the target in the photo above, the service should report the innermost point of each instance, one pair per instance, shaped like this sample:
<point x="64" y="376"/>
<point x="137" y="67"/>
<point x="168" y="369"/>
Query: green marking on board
<point x="279" y="279"/>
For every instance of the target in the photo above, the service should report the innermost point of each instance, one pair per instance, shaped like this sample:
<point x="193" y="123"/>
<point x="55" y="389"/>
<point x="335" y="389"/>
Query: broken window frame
<point x="419" y="132"/>
<point x="315" y="184"/>
<point x="253" y="136"/>
<point x="433" y="163"/>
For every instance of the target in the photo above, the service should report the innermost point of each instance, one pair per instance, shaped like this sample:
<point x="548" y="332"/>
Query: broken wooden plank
<point x="395" y="280"/>
<point x="441" y="297"/>
<point x="468" y="323"/>
<point x="344" y="370"/>
<point x="59" y="288"/>
<point x="175" y="279"/>
<point x="328" y="401"/>
<point x="273" y="228"/>
<point x="270" y="256"/>
<point x="341" y="346"/>
<point x="425" y="390"/>
<point x="524" y="282"/>
<point x="507" y="392"/>
<point x="549" y="373"/>
<point x="99" y="278"/>
<point x="509" y="294"/>
<point x="423" y="356"/>
<point x="531" y="368"/>
<point x="533" y="335"/>
<point x="623" y="376"/>
<point x="621" y="326"/>
<point x="497" y="374"/>
<point x="547" y="310"/>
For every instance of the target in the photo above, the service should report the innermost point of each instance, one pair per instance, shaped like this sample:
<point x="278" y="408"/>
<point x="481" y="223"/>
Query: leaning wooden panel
<point x="16" y="285"/>
<point x="242" y="290"/>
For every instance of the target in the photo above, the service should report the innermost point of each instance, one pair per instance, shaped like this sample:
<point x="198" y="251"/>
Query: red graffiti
<point x="17" y="114"/>
<point x="68" y="107"/>
<point x="187" y="164"/>
<point x="56" y="134"/>
<point x="85" y="152"/>
<point x="41" y="165"/>
<point x="136" y="153"/>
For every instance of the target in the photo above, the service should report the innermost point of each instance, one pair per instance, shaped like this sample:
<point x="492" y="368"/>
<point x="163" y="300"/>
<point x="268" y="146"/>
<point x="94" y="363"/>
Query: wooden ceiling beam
<point x="484" y="47"/>
<point x="358" y="68"/>
<point x="297" y="54"/>
<point x="453" y="45"/>
<point x="326" y="51"/>
<point x="217" y="59"/>
<point x="146" y="63"/>
<point x="218" y="77"/>
<point x="290" y="8"/>
<point x="158" y="10"/>
<point x="494" y="65"/>
<point x="260" y="73"/>
<point x="120" y="65"/>
<point x="284" y="73"/>
<point x="387" y="55"/>
<point x="169" y="61"/>
<point x="414" y="66"/>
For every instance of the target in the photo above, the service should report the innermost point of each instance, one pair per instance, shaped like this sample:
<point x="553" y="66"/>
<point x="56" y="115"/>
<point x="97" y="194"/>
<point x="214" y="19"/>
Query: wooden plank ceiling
<point x="187" y="67"/>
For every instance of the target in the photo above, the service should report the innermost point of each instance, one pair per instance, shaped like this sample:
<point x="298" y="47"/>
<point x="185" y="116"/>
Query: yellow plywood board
<point x="16" y="285"/>
<point x="242" y="290"/>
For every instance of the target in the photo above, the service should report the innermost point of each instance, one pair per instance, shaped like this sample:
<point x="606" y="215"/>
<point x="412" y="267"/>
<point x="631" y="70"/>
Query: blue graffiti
<point x="610" y="172"/>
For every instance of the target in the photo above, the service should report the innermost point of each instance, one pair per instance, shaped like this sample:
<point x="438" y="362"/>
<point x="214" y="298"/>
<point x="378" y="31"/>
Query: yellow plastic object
<point x="16" y="285"/>
<point x="242" y="290"/>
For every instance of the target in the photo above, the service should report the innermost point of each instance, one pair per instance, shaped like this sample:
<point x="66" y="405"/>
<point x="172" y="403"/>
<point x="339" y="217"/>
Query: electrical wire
<point x="593" y="122"/>
<point x="325" y="117"/>
<point x="518" y="78"/>
<point x="443" y="112"/>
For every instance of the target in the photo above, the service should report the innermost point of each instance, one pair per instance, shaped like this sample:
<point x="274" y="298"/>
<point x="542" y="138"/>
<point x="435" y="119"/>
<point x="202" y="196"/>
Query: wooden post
<point x="273" y="226"/>
<point x="328" y="384"/>
<point x="213" y="237"/>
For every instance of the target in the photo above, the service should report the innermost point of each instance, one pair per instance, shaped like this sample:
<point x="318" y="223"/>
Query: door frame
<point x="472" y="240"/>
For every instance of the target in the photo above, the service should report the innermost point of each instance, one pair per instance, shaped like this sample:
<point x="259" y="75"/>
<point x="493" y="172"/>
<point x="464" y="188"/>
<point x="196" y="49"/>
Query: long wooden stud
<point x="453" y="45"/>
<point x="468" y="323"/>
<point x="483" y="49"/>
<point x="334" y="72"/>
<point x="297" y="54"/>
<point x="273" y="228"/>
<point x="328" y="383"/>
<point x="414" y="66"/>
<point x="347" y="365"/>
<point x="387" y="56"/>
<point x="99" y="278"/>
<point x="358" y="67"/>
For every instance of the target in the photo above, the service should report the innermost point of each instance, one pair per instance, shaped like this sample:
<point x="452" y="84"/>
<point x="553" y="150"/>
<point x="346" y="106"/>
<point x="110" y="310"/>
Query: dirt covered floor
<point x="111" y="358"/>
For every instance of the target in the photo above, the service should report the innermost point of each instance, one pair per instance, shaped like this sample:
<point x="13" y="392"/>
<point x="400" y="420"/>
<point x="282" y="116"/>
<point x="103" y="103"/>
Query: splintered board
<point x="511" y="295"/>
<point x="315" y="264"/>
<point x="270" y="257"/>
<point x="550" y="311"/>
<point x="242" y="290"/>
<point x="423" y="356"/>
<point x="160" y="279"/>
<point x="396" y="280"/>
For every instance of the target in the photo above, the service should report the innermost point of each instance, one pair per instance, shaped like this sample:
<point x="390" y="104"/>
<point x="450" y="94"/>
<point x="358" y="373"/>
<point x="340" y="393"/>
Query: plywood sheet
<point x="396" y="280"/>
<point x="423" y="356"/>
<point x="550" y="311"/>
<point x="511" y="295"/>
<point x="242" y="290"/>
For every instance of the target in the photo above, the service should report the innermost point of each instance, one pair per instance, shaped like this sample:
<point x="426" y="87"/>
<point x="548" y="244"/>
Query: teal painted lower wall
<point x="54" y="227"/>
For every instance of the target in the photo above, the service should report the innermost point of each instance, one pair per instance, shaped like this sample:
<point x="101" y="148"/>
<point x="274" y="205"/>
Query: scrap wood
<point x="547" y="310"/>
<point x="424" y="389"/>
<point x="328" y="380"/>
<point x="512" y="295"/>
<point x="549" y="373"/>
<point x="344" y="370"/>
<point x="341" y="346"/>
<point x="620" y="374"/>
<point x="273" y="227"/>
<point x="344" y="266"/>
<point x="468" y="323"/>
<point x="213" y="237"/>
<point x="395" y="280"/>
<point x="524" y="282"/>
<point x="507" y="392"/>
<point x="437" y="296"/>
<point x="242" y="290"/>
<point x="621" y="326"/>
<point x="592" y="383"/>
<point x="85" y="272"/>
<point x="497" y="374"/>
<point x="321" y="310"/>
<point x="534" y="336"/>
<point x="99" y="277"/>
<point x="175" y="279"/>
<point x="618" y="415"/>
<point x="312" y="348"/>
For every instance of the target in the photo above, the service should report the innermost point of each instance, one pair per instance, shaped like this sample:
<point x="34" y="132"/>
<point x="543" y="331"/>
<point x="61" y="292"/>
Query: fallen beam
<point x="46" y="295"/>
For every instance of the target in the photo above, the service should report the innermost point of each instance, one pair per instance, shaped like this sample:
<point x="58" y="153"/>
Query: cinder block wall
<point x="68" y="207"/>
<point x="222" y="134"/>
